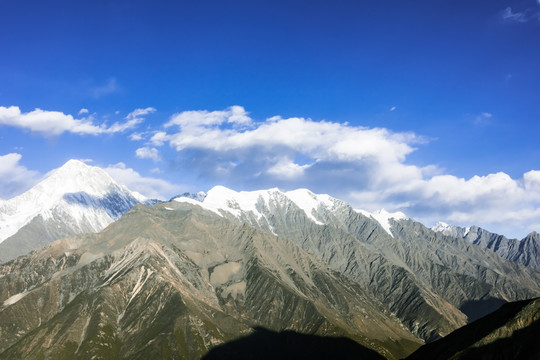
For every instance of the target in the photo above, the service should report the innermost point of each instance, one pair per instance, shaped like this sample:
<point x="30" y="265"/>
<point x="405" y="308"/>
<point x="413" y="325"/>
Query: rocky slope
<point x="173" y="281"/>
<point x="73" y="199"/>
<point x="525" y="251"/>
<point x="432" y="282"/>
<point x="509" y="333"/>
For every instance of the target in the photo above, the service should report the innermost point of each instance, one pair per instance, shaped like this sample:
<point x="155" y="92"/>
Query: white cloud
<point x="483" y="119"/>
<point x="48" y="122"/>
<point x="133" y="119"/>
<point x="83" y="111"/>
<point x="148" y="186"/>
<point x="159" y="138"/>
<point x="233" y="115"/>
<point x="365" y="166"/>
<point x="15" y="178"/>
<point x="148" y="153"/>
<point x="54" y="123"/>
<point x="136" y="137"/>
<point x="393" y="108"/>
<point x="285" y="168"/>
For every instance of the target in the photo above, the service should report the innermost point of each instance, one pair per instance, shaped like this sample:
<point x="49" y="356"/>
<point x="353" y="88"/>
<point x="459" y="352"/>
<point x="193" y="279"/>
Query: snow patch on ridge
<point x="440" y="226"/>
<point x="309" y="202"/>
<point x="383" y="217"/>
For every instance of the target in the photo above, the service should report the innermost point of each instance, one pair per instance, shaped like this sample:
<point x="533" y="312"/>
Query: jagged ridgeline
<point x="173" y="281"/>
<point x="177" y="279"/>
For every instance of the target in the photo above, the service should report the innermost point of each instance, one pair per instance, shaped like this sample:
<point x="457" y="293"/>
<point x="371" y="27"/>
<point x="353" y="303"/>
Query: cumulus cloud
<point x="54" y="123"/>
<point x="136" y="137"/>
<point x="148" y="186"/>
<point x="83" y="111"/>
<point x="148" y="153"/>
<point x="14" y="177"/>
<point x="285" y="168"/>
<point x="365" y="166"/>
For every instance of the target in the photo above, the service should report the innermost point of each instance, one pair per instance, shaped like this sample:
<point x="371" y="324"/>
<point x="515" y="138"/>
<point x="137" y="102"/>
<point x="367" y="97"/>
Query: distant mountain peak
<point x="452" y="230"/>
<point x="84" y="197"/>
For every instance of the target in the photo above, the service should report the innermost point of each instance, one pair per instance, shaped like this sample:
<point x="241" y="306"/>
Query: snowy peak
<point x="84" y="196"/>
<point x="195" y="196"/>
<point x="316" y="206"/>
<point x="440" y="227"/>
<point x="451" y="230"/>
<point x="383" y="217"/>
<point x="220" y="198"/>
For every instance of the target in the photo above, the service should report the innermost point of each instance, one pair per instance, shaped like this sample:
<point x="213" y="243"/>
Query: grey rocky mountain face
<point x="433" y="283"/>
<point x="173" y="281"/>
<point x="176" y="279"/>
<point x="525" y="251"/>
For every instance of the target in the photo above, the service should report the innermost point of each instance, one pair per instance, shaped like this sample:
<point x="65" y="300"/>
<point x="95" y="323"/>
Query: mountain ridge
<point x="525" y="251"/>
<point x="224" y="276"/>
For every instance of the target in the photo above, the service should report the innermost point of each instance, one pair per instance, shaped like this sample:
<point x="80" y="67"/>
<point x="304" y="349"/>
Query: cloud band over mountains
<point x="367" y="167"/>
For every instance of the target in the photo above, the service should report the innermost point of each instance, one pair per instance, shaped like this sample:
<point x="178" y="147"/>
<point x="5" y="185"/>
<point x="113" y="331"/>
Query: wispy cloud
<point x="509" y="15"/>
<point x="110" y="87"/>
<point x="523" y="16"/>
<point x="483" y="119"/>
<point x="14" y="177"/>
<point x="54" y="123"/>
<point x="133" y="119"/>
<point x="148" y="186"/>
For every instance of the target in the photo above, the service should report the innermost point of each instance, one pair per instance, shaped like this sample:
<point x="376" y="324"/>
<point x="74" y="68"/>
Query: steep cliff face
<point x="173" y="281"/>
<point x="433" y="283"/>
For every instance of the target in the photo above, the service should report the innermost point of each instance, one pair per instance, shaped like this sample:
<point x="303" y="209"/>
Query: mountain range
<point x="525" y="251"/>
<point x="122" y="276"/>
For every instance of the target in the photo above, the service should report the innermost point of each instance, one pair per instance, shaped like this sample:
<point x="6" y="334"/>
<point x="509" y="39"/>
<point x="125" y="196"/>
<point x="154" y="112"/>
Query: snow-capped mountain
<point x="434" y="286"/>
<point x="75" y="198"/>
<point x="255" y="205"/>
<point x="175" y="279"/>
<point x="525" y="251"/>
<point x="172" y="281"/>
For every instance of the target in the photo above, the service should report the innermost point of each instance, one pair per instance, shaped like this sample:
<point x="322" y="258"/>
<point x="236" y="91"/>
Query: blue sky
<point x="427" y="107"/>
